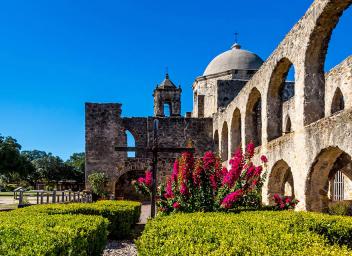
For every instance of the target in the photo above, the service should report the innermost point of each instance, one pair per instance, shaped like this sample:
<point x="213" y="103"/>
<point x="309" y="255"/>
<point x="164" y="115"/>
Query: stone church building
<point x="304" y="126"/>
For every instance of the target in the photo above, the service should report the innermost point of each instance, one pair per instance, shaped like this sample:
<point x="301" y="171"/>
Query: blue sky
<point x="56" y="55"/>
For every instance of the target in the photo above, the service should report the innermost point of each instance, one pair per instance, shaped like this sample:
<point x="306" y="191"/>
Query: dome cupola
<point x="235" y="58"/>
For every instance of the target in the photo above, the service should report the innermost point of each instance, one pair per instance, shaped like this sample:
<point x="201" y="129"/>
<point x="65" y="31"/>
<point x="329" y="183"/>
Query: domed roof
<point x="236" y="58"/>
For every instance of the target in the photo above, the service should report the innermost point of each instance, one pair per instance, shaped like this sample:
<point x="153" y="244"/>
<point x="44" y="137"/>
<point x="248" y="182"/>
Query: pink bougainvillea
<point x="144" y="184"/>
<point x="264" y="159"/>
<point x="203" y="184"/>
<point x="148" y="178"/>
<point x="176" y="205"/>
<point x="284" y="202"/>
<point x="231" y="198"/>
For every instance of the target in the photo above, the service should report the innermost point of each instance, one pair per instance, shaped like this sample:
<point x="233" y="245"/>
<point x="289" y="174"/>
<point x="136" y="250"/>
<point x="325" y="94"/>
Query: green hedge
<point x="247" y="233"/>
<point x="41" y="234"/>
<point x="122" y="215"/>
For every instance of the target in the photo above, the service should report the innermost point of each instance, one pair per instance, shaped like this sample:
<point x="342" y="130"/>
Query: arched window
<point x="280" y="91"/>
<point x="288" y="128"/>
<point x="253" y="118"/>
<point x="225" y="142"/>
<point x="167" y="109"/>
<point x="338" y="187"/>
<point x="338" y="102"/>
<point x="131" y="142"/>
<point x="235" y="131"/>
<point x="216" y="142"/>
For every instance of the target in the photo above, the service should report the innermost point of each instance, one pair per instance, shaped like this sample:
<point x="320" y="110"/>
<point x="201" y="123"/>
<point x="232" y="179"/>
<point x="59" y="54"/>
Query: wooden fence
<point x="51" y="197"/>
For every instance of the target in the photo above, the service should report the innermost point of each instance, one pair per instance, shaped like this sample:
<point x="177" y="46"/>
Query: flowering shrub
<point x="204" y="185"/>
<point x="284" y="202"/>
<point x="144" y="184"/>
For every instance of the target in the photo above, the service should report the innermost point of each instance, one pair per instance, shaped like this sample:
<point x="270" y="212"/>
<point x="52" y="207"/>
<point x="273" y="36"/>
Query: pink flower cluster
<point x="144" y="184"/>
<point x="147" y="180"/>
<point x="231" y="198"/>
<point x="284" y="202"/>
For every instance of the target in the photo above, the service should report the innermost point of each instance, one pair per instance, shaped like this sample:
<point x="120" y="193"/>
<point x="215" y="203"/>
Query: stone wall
<point x="105" y="129"/>
<point x="317" y="138"/>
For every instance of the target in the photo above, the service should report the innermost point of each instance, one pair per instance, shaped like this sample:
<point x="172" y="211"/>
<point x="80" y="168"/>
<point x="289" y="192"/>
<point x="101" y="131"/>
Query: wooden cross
<point x="155" y="149"/>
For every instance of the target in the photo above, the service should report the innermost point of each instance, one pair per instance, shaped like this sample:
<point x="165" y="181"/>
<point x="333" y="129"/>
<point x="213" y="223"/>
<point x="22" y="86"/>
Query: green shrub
<point x="122" y="215"/>
<point x="97" y="181"/>
<point x="341" y="208"/>
<point x="246" y="233"/>
<point x="41" y="234"/>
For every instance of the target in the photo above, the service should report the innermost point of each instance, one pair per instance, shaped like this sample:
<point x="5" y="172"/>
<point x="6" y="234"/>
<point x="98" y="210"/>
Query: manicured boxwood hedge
<point x="122" y="215"/>
<point x="42" y="234"/>
<point x="247" y="233"/>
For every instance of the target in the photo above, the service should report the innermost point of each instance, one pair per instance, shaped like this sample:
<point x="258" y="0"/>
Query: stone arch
<point x="225" y="142"/>
<point x="279" y="91"/>
<point x="280" y="181"/>
<point x="235" y="130"/>
<point x="314" y="79"/>
<point x="288" y="125"/>
<point x="253" y="118"/>
<point x="216" y="142"/>
<point x="124" y="188"/>
<point x="338" y="102"/>
<point x="323" y="169"/>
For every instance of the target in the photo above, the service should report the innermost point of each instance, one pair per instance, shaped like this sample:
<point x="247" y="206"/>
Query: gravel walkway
<point x="126" y="247"/>
<point x="119" y="248"/>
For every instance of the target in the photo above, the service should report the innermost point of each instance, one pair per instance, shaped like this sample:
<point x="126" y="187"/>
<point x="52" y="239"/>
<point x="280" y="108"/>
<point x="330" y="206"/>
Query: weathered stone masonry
<point x="105" y="129"/>
<point x="304" y="127"/>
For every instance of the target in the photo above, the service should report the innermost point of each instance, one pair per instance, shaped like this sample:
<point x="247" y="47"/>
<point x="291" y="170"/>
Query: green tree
<point x="50" y="169"/>
<point x="34" y="154"/>
<point x="13" y="164"/>
<point x="77" y="162"/>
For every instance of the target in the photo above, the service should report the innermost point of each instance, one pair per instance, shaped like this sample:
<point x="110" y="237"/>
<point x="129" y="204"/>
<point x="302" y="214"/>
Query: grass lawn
<point x="6" y="193"/>
<point x="8" y="206"/>
<point x="7" y="201"/>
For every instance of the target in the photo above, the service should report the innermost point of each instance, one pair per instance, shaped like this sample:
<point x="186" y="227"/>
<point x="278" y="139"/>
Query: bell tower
<point x="167" y="99"/>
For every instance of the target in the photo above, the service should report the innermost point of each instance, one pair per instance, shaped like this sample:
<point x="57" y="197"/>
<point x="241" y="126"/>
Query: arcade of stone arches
<point x="306" y="131"/>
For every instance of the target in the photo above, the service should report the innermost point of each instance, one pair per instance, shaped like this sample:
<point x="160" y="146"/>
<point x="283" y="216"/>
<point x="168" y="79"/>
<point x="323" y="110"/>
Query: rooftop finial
<point x="236" y="45"/>
<point x="167" y="72"/>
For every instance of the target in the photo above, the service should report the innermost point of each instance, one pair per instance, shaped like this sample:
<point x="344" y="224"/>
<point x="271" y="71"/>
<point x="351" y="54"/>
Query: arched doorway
<point x="329" y="179"/>
<point x="280" y="181"/>
<point x="124" y="188"/>
<point x="253" y="117"/>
